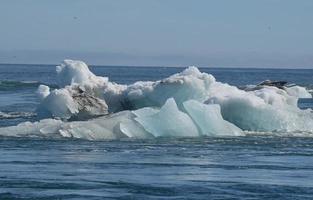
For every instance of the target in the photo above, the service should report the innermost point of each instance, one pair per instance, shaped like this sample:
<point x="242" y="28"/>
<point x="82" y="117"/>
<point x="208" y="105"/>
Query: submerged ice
<point x="187" y="104"/>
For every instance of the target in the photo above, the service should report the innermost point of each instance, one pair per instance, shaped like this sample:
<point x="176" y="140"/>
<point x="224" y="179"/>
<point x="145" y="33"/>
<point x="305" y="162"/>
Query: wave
<point x="14" y="115"/>
<point x="186" y="104"/>
<point x="9" y="85"/>
<point x="301" y="134"/>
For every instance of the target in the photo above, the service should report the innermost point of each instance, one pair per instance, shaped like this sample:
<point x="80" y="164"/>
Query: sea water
<point x="251" y="167"/>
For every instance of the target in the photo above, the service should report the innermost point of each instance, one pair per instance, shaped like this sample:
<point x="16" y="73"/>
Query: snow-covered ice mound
<point x="187" y="104"/>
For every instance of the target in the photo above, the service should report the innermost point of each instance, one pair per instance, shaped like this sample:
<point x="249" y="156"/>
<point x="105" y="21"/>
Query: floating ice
<point x="189" y="84"/>
<point x="169" y="121"/>
<point x="72" y="72"/>
<point x="209" y="119"/>
<point x="299" y="92"/>
<point x="75" y="76"/>
<point x="187" y="104"/>
<point x="102" y="128"/>
<point x="46" y="127"/>
<point x="268" y="109"/>
<point x="81" y="96"/>
<point x="43" y="91"/>
<point x="58" y="103"/>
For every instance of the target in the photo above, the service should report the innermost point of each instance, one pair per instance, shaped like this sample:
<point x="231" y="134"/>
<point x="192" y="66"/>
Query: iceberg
<point x="187" y="104"/>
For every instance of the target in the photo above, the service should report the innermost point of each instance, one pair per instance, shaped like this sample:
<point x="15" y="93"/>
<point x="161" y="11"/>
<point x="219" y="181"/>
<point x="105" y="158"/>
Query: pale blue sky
<point x="226" y="33"/>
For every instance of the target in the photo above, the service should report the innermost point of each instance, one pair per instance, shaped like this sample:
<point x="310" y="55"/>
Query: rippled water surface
<point x="214" y="168"/>
<point x="252" y="167"/>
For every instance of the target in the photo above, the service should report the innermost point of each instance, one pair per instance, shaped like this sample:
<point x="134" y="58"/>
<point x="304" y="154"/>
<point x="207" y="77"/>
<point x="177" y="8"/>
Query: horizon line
<point x="168" y="66"/>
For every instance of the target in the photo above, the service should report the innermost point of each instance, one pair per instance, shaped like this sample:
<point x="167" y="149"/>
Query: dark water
<point x="203" y="168"/>
<point x="251" y="167"/>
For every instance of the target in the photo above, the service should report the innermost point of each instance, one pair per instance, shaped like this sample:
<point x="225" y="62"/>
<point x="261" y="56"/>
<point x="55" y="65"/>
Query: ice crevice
<point x="186" y="104"/>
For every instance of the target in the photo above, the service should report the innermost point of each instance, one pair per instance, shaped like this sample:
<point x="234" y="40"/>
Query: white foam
<point x="14" y="115"/>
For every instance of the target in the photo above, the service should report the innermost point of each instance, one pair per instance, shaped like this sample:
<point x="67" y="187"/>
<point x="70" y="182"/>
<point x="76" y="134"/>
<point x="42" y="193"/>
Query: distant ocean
<point x="249" y="167"/>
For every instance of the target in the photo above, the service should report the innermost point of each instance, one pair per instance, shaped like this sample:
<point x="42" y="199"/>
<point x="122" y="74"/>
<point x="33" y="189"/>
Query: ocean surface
<point x="250" y="167"/>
